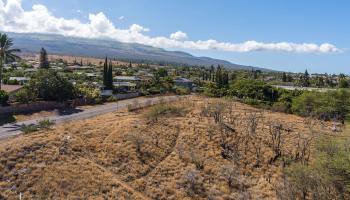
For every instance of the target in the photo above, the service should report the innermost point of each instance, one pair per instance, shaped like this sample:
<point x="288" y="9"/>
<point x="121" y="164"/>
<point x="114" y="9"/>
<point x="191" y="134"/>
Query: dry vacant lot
<point x="198" y="148"/>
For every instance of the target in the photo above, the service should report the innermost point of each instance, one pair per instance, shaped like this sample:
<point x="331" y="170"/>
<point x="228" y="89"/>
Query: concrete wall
<point x="48" y="105"/>
<point x="127" y="95"/>
<point x="32" y="107"/>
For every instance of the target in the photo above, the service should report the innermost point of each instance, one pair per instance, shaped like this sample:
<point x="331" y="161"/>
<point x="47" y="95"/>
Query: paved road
<point x="13" y="129"/>
<point x="304" y="88"/>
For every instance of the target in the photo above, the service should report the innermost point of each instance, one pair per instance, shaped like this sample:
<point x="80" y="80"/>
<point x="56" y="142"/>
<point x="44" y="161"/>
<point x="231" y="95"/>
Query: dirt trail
<point x="121" y="183"/>
<point x="171" y="150"/>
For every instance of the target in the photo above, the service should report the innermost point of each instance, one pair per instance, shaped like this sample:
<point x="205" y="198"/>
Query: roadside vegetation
<point x="42" y="125"/>
<point x="163" y="110"/>
<point x="326" y="176"/>
<point x="328" y="105"/>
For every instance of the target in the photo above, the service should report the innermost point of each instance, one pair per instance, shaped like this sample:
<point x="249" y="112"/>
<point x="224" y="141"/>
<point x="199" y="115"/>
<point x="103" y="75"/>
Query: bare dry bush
<point x="252" y="122"/>
<point x="140" y="142"/>
<point x="230" y="150"/>
<point x="197" y="159"/>
<point x="231" y="175"/>
<point x="257" y="145"/>
<point x="284" y="190"/>
<point x="277" y="139"/>
<point x="211" y="133"/>
<point x="204" y="110"/>
<point x="64" y="148"/>
<point x="192" y="183"/>
<point x="217" y="111"/>
<point x="303" y="149"/>
<point x="180" y="151"/>
<point x="155" y="139"/>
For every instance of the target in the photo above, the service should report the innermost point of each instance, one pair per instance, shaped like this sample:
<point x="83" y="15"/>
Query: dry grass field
<point x="198" y="148"/>
<point x="71" y="59"/>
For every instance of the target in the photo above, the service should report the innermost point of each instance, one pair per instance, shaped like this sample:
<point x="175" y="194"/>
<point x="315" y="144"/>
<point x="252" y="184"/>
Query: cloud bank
<point x="13" y="18"/>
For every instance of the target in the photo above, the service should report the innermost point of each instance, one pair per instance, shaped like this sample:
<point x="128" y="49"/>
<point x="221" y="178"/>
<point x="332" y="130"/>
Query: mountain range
<point x="61" y="45"/>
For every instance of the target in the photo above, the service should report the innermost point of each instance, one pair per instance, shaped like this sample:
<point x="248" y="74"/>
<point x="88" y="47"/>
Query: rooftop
<point x="124" y="84"/>
<point x="19" y="78"/>
<point x="127" y="78"/>
<point x="183" y="80"/>
<point x="10" y="88"/>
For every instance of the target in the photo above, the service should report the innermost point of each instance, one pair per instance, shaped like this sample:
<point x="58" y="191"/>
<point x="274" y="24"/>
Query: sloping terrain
<point x="56" y="44"/>
<point x="196" y="148"/>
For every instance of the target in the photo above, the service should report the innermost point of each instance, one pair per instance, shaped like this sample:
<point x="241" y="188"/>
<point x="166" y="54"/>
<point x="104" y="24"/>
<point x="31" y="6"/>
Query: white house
<point x="20" y="80"/>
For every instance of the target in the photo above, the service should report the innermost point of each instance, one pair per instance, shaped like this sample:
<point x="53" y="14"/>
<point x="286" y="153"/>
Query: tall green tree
<point x="105" y="72"/>
<point x="284" y="77"/>
<point x="6" y="52"/>
<point x="49" y="85"/>
<point x="44" y="61"/>
<point x="108" y="78"/>
<point x="211" y="72"/>
<point x="109" y="84"/>
<point x="305" y="79"/>
<point x="225" y="78"/>
<point x="218" y="76"/>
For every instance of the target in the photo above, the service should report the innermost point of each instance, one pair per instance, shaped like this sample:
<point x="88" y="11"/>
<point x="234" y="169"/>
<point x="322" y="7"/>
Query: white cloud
<point x="13" y="18"/>
<point x="179" y="35"/>
<point x="135" y="28"/>
<point x="121" y="18"/>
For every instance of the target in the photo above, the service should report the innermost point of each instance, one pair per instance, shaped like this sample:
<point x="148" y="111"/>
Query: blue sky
<point x="268" y="21"/>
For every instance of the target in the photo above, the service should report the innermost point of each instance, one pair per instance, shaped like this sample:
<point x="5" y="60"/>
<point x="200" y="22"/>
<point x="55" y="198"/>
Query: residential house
<point x="127" y="83"/>
<point x="11" y="88"/>
<point x="184" y="82"/>
<point x="20" y="80"/>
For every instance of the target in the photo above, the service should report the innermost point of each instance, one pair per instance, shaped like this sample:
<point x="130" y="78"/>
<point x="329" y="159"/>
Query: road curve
<point x="13" y="129"/>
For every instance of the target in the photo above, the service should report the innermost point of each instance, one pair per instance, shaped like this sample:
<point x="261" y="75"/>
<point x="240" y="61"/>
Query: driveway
<point x="13" y="129"/>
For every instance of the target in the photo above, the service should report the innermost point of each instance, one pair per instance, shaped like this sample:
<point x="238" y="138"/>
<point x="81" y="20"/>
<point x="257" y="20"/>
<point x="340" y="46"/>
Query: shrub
<point x="212" y="90"/>
<point x="327" y="176"/>
<point x="251" y="101"/>
<point x="4" y="97"/>
<point x="26" y="129"/>
<point x="154" y="90"/>
<point x="51" y="86"/>
<point x="285" y="100"/>
<point x="45" y="124"/>
<point x="343" y="83"/>
<point x="164" y="109"/>
<point x="323" y="105"/>
<point x="112" y="99"/>
<point x="281" y="107"/>
<point x="12" y="82"/>
<point x="88" y="92"/>
<point x="254" y="89"/>
<point x="182" y="91"/>
<point x="25" y="96"/>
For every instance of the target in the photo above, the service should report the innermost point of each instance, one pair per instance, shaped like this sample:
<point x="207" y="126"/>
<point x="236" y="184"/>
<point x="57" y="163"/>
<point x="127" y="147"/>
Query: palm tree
<point x="6" y="53"/>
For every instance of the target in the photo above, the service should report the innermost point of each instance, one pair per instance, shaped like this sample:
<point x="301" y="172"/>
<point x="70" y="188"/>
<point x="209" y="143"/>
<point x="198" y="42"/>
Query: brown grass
<point x="126" y="156"/>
